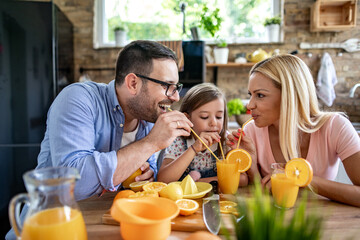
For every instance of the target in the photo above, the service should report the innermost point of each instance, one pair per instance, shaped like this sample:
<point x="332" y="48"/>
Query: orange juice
<point x="228" y="177"/>
<point x="284" y="190"/>
<point x="55" y="223"/>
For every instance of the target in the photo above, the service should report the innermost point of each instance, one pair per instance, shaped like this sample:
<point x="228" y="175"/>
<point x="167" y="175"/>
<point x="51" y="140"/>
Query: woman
<point x="288" y="124"/>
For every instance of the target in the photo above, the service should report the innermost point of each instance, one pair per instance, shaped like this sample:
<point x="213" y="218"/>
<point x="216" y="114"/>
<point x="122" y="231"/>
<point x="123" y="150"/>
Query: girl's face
<point x="265" y="100"/>
<point x="209" y="117"/>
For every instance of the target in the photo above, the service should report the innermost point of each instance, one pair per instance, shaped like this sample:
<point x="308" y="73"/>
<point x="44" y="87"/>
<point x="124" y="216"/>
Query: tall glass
<point x="228" y="176"/>
<point x="53" y="212"/>
<point x="283" y="189"/>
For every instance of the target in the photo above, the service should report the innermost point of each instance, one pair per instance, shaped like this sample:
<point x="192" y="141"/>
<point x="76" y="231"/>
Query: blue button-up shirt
<point x="84" y="131"/>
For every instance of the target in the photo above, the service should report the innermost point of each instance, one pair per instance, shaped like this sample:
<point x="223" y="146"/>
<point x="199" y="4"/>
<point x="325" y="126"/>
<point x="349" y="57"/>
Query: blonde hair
<point x="299" y="110"/>
<point x="200" y="95"/>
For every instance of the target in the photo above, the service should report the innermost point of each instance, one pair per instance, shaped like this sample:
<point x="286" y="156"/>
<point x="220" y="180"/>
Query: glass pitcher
<point x="53" y="212"/>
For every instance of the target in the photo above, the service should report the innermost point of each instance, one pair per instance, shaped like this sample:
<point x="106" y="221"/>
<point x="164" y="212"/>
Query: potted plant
<point x="120" y="36"/>
<point x="236" y="107"/>
<point x="258" y="218"/>
<point x="272" y="26"/>
<point x="221" y="52"/>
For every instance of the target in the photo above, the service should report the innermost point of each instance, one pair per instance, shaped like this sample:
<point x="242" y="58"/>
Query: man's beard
<point x="140" y="106"/>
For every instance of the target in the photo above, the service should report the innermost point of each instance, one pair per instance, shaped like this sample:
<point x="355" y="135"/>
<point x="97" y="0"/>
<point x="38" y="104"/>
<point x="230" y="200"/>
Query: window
<point x="167" y="19"/>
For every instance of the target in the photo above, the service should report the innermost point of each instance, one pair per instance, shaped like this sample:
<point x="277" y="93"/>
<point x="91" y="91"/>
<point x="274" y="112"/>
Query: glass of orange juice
<point x="283" y="189"/>
<point x="53" y="212"/>
<point x="228" y="176"/>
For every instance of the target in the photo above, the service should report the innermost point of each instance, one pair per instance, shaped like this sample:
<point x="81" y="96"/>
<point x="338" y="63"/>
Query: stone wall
<point x="233" y="80"/>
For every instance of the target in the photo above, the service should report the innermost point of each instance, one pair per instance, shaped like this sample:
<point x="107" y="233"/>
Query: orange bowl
<point x="147" y="218"/>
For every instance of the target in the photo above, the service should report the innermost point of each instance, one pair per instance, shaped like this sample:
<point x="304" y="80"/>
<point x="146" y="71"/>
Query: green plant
<point x="263" y="221"/>
<point x="221" y="43"/>
<point x="235" y="107"/>
<point x="119" y="28"/>
<point x="210" y="20"/>
<point x="273" y="20"/>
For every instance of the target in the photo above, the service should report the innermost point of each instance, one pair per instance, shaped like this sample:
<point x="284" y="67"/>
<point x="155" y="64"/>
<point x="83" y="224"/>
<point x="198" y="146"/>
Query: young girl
<point x="205" y="106"/>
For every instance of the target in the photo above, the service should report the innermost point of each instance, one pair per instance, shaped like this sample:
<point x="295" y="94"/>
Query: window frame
<point x="101" y="27"/>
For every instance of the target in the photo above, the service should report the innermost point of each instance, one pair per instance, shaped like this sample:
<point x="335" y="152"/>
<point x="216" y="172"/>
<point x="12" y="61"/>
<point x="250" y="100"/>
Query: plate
<point x="203" y="189"/>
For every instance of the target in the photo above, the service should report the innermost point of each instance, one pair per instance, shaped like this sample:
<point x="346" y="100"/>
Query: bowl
<point x="146" y="218"/>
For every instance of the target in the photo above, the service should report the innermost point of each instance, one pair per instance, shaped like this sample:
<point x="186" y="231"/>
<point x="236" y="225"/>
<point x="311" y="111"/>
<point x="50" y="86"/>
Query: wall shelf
<point x="333" y="15"/>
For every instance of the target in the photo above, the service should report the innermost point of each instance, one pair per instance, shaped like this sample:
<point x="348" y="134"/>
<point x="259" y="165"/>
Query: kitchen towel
<point x="326" y="80"/>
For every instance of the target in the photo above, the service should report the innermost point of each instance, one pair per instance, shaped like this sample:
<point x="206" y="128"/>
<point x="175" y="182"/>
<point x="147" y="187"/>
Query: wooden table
<point x="340" y="221"/>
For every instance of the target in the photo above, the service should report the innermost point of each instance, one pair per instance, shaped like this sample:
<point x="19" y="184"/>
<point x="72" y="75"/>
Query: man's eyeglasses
<point x="171" y="88"/>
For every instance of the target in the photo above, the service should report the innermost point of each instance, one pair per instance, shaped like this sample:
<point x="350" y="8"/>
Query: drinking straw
<point x="200" y="140"/>
<point x="222" y="153"/>
<point x="242" y="127"/>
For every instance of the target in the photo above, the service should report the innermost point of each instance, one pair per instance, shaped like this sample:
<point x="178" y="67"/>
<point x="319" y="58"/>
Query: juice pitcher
<point x="52" y="210"/>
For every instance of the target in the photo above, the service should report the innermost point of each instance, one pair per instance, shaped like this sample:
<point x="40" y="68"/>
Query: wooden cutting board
<point x="190" y="223"/>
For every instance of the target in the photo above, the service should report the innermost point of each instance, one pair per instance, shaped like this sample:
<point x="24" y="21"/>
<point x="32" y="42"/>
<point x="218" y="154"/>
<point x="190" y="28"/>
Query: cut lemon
<point x="138" y="186"/>
<point x="241" y="157"/>
<point x="227" y="207"/>
<point x="187" y="206"/>
<point x="149" y="193"/>
<point x="126" y="183"/>
<point x="300" y="170"/>
<point x="157" y="186"/>
<point x="172" y="191"/>
<point x="124" y="194"/>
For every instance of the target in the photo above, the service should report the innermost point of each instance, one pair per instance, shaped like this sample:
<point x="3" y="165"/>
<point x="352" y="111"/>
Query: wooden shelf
<point x="230" y="64"/>
<point x="333" y="15"/>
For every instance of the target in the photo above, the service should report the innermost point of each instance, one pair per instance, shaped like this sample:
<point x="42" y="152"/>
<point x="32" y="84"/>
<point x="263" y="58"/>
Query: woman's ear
<point x="132" y="83"/>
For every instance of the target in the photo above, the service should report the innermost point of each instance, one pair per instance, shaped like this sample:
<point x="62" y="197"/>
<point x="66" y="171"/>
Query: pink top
<point x="336" y="139"/>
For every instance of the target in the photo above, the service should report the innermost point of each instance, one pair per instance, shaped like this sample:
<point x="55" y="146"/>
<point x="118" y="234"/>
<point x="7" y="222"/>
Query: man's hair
<point x="299" y="109"/>
<point x="137" y="56"/>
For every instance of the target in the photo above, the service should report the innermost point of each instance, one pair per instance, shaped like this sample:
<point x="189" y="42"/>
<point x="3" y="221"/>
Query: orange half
<point x="241" y="157"/>
<point x="138" y="186"/>
<point x="227" y="207"/>
<point x="300" y="170"/>
<point x="187" y="206"/>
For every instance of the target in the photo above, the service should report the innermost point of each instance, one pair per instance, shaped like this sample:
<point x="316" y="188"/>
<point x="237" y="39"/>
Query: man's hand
<point x="167" y="127"/>
<point x="147" y="173"/>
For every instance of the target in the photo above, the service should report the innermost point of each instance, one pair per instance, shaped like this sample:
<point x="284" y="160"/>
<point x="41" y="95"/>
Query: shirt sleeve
<point x="72" y="134"/>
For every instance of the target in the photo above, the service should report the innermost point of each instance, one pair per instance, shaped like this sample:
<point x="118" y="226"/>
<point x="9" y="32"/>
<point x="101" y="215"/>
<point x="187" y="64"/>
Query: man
<point x="109" y="131"/>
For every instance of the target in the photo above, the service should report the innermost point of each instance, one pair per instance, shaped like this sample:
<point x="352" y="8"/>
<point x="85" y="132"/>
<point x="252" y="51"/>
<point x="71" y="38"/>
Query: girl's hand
<point x="195" y="175"/>
<point x="266" y="182"/>
<point x="209" y="139"/>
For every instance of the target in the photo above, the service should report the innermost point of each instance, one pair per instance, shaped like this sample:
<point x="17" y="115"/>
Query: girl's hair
<point x="299" y="110"/>
<point x="200" y="95"/>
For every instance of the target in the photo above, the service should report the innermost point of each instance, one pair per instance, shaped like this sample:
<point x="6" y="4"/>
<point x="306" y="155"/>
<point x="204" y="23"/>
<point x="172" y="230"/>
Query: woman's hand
<point x="266" y="182"/>
<point x="248" y="145"/>
<point x="209" y="139"/>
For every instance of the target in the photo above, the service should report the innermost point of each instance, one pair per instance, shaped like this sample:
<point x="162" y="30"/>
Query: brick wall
<point x="233" y="80"/>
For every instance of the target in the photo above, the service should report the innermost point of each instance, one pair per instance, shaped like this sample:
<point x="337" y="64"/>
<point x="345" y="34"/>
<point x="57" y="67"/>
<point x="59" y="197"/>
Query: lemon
<point x="138" y="186"/>
<point x="188" y="185"/>
<point x="126" y="183"/>
<point x="172" y="191"/>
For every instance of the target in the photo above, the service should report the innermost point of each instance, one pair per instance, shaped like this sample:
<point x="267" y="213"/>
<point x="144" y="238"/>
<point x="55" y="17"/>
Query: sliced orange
<point x="227" y="207"/>
<point x="157" y="186"/>
<point x="126" y="183"/>
<point x="187" y="206"/>
<point x="124" y="194"/>
<point x="138" y="186"/>
<point x="149" y="193"/>
<point x="241" y="157"/>
<point x="300" y="170"/>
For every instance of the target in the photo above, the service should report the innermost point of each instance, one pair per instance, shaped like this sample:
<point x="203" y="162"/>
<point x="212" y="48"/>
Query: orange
<point x="149" y="193"/>
<point x="227" y="207"/>
<point x="138" y="186"/>
<point x="123" y="194"/>
<point x="201" y="235"/>
<point x="157" y="186"/>
<point x="126" y="183"/>
<point x="241" y="157"/>
<point x="187" y="206"/>
<point x="300" y="170"/>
